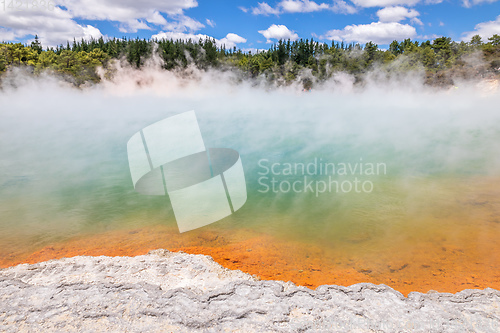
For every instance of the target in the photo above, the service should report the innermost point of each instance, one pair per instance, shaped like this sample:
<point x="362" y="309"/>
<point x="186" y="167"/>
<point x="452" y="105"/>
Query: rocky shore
<point x="177" y="292"/>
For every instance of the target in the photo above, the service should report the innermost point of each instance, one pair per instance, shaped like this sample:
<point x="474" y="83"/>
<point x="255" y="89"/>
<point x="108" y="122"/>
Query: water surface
<point x="426" y="219"/>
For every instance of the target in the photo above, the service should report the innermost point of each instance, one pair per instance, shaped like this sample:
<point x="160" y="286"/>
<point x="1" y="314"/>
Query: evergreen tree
<point x="36" y="45"/>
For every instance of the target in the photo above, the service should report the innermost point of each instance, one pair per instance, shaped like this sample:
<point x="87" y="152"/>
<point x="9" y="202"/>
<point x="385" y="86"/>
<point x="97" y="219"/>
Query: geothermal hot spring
<point x="391" y="185"/>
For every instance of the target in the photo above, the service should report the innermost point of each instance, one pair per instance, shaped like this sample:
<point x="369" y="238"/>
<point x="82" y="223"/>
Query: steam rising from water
<point x="64" y="169"/>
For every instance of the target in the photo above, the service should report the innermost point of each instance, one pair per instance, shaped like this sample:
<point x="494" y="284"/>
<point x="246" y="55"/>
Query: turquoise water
<point x="64" y="167"/>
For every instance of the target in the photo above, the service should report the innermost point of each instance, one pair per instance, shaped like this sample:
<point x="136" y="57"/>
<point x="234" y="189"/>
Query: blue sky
<point x="249" y="24"/>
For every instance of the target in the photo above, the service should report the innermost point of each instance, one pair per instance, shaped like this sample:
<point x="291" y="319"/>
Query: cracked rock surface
<point x="177" y="292"/>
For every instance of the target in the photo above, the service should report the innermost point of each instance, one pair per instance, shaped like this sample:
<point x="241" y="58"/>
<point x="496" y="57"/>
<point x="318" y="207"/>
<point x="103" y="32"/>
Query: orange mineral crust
<point x="433" y="264"/>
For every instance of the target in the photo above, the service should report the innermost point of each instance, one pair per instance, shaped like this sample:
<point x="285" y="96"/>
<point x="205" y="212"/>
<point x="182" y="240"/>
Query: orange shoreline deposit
<point x="444" y="268"/>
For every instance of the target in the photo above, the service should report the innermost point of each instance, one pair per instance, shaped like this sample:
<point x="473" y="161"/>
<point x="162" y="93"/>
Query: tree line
<point x="283" y="63"/>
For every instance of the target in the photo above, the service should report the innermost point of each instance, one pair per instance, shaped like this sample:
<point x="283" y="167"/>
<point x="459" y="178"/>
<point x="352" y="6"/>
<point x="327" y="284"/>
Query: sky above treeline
<point x="248" y="25"/>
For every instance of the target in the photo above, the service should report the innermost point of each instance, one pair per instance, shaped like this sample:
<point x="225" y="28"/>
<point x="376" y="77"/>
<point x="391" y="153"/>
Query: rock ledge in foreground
<point x="177" y="292"/>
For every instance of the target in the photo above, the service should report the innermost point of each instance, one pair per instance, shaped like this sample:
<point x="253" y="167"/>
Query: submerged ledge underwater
<point x="430" y="220"/>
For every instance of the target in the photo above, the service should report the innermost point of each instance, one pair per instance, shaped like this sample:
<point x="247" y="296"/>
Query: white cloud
<point x="430" y="37"/>
<point x="484" y="29"/>
<point x="128" y="13"/>
<point x="301" y="6"/>
<point x="6" y="35"/>
<point x="232" y="39"/>
<point x="210" y="23"/>
<point x="58" y="25"/>
<point x="91" y="32"/>
<point x="416" y="20"/>
<point x="183" y="23"/>
<point x="384" y="3"/>
<point x="122" y="11"/>
<point x="157" y="18"/>
<point x="470" y="3"/>
<point x="133" y="26"/>
<point x="229" y="41"/>
<point x="377" y="32"/>
<point x="264" y="9"/>
<point x="396" y="14"/>
<point x="342" y="7"/>
<point x="53" y="27"/>
<point x="278" y="32"/>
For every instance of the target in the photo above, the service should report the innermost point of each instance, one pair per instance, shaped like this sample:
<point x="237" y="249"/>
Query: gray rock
<point x="177" y="292"/>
